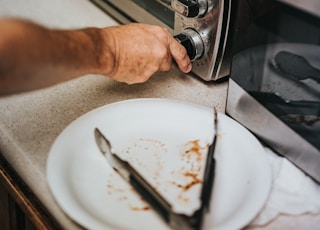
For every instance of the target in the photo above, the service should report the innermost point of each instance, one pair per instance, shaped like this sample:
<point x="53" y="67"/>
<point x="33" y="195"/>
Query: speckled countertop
<point x="30" y="122"/>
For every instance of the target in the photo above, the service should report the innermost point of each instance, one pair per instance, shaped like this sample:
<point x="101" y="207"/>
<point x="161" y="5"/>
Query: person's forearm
<point x="33" y="57"/>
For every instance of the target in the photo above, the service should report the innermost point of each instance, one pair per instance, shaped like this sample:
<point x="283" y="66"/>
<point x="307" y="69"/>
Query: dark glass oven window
<point x="161" y="9"/>
<point x="277" y="61"/>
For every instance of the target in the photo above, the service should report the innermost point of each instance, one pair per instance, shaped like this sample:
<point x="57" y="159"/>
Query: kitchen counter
<point x="30" y="122"/>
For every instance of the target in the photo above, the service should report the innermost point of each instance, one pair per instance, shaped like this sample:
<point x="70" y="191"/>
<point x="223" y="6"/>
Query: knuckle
<point x="162" y="52"/>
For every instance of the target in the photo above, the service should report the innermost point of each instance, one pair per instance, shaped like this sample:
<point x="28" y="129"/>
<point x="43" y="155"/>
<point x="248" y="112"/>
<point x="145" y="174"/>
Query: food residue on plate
<point x="176" y="172"/>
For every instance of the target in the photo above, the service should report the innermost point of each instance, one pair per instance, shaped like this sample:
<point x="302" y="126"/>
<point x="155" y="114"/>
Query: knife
<point x="150" y="194"/>
<point x="208" y="178"/>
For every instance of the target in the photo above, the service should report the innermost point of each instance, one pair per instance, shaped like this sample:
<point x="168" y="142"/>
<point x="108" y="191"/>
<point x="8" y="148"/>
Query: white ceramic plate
<point x="153" y="134"/>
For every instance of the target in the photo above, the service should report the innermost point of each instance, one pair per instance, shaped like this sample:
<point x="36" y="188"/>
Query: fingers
<point x="141" y="50"/>
<point x="166" y="61"/>
<point x="179" y="53"/>
<point x="175" y="51"/>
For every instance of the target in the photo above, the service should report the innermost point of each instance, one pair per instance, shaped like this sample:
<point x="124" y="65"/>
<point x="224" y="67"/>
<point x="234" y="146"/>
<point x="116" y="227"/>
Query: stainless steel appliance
<point x="200" y="25"/>
<point x="274" y="87"/>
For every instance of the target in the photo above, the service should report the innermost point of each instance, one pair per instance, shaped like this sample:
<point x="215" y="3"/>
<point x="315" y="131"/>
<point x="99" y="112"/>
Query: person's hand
<point x="139" y="50"/>
<point x="33" y="56"/>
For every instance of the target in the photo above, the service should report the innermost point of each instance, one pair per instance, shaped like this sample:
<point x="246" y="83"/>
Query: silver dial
<point x="190" y="8"/>
<point x="193" y="43"/>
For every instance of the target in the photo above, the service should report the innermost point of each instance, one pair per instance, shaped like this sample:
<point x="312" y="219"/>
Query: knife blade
<point x="147" y="192"/>
<point x="154" y="198"/>
<point x="208" y="178"/>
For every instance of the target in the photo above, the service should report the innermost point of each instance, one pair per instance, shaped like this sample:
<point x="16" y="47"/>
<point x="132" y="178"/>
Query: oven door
<point x="274" y="87"/>
<point x="157" y="12"/>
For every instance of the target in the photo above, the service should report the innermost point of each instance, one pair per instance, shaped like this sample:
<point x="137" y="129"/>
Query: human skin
<point x="33" y="56"/>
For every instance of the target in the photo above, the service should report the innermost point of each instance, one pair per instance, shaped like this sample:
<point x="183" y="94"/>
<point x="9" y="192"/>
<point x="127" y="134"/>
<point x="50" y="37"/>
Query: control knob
<point x="193" y="43"/>
<point x="190" y="8"/>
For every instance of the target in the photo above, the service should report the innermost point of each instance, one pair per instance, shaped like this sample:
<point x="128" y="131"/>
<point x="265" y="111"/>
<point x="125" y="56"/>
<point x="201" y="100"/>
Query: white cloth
<point x="292" y="192"/>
